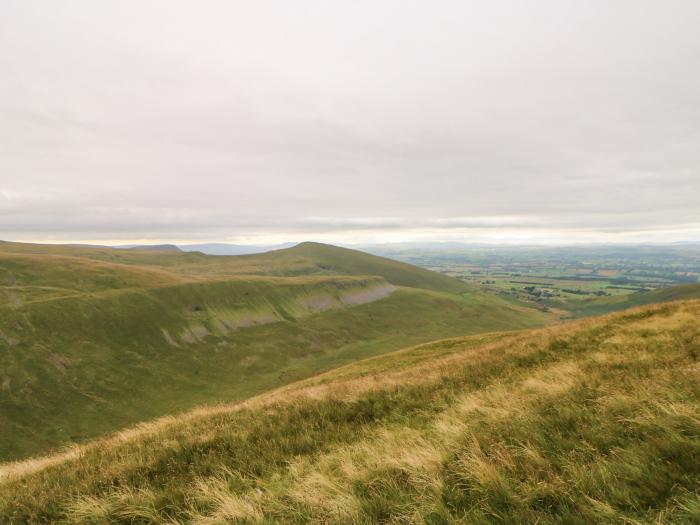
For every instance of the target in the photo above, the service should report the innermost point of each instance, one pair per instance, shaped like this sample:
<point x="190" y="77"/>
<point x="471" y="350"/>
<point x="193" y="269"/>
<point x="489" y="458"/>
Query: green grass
<point x="596" y="421"/>
<point x="352" y="262"/>
<point x="307" y="258"/>
<point x="601" y="305"/>
<point x="93" y="339"/>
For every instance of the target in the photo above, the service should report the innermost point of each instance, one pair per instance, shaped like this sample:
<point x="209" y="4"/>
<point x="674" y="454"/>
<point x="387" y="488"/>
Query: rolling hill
<point x="231" y="249"/>
<point x="592" y="421"/>
<point x="93" y="339"/>
<point x="345" y="261"/>
<point x="307" y="258"/>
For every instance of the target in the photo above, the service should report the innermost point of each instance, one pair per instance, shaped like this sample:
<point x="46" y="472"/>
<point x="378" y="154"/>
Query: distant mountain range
<point x="385" y="249"/>
<point x="214" y="248"/>
<point x="220" y="248"/>
<point x="150" y="247"/>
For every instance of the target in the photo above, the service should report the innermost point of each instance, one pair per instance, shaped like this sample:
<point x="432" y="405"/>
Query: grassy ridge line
<point x="596" y="421"/>
<point x="347" y="261"/>
<point x="78" y="273"/>
<point x="304" y="259"/>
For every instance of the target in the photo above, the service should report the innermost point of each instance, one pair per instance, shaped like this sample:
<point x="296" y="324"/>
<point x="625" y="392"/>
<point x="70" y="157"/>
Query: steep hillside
<point x="93" y="339"/>
<point x="594" y="421"/>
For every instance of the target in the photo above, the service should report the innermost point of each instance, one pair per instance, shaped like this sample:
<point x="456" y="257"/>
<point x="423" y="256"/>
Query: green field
<point x="568" y="282"/>
<point x="593" y="421"/>
<point x="94" y="339"/>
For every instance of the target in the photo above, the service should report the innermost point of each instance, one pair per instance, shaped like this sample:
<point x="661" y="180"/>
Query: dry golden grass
<point x="349" y="381"/>
<point x="556" y="425"/>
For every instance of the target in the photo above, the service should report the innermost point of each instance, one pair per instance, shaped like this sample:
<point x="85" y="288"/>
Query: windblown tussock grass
<point x="597" y="421"/>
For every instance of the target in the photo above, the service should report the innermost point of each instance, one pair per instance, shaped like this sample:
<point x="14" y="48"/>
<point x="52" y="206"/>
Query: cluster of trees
<point x="539" y="292"/>
<point x="599" y="293"/>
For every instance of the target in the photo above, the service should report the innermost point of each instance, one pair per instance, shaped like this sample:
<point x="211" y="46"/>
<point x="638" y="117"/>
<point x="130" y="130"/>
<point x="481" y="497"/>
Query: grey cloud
<point x="124" y="120"/>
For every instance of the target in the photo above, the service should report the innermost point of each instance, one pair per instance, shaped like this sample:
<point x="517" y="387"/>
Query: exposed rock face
<point x="318" y="303"/>
<point x="223" y="322"/>
<point x="367" y="295"/>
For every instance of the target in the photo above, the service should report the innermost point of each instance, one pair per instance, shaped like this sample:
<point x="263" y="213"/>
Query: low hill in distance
<point x="93" y="339"/>
<point x="592" y="421"/>
<point x="217" y="248"/>
<point x="152" y="247"/>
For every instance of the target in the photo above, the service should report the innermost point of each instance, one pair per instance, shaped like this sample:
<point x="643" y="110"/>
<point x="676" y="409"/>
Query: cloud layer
<point x="350" y="121"/>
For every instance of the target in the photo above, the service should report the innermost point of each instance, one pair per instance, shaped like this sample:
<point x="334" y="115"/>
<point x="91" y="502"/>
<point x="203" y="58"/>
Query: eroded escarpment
<point x="295" y="303"/>
<point x="188" y="313"/>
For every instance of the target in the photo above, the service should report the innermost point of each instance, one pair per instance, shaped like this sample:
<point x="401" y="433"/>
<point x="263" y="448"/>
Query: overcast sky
<point x="547" y="121"/>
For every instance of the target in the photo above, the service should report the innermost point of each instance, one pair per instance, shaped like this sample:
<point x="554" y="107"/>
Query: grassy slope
<point x="595" y="421"/>
<point x="344" y="261"/>
<point x="601" y="305"/>
<point x="304" y="259"/>
<point x="93" y="339"/>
